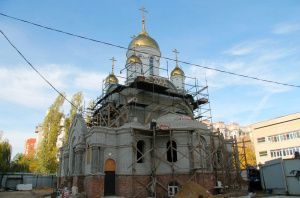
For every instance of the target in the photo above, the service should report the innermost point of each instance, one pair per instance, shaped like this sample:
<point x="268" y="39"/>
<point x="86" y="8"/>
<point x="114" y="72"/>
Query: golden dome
<point x="143" y="40"/>
<point x="111" y="79"/>
<point x="177" y="71"/>
<point x="133" y="59"/>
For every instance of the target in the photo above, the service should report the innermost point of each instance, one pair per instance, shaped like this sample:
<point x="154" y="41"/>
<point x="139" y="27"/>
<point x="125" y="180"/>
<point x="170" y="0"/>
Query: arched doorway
<point x="109" y="182"/>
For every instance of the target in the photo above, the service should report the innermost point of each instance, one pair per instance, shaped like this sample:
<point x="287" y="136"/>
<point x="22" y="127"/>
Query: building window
<point x="151" y="65"/>
<point x="284" y="136"/>
<point x="261" y="140"/>
<point x="284" y="152"/>
<point x="172" y="189"/>
<point x="263" y="154"/>
<point x="140" y="151"/>
<point x="172" y="151"/>
<point x="89" y="155"/>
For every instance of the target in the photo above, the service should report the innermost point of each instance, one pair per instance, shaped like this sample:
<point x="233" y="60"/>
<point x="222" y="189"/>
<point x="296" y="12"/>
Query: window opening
<point x="170" y="153"/>
<point x="140" y="151"/>
<point x="172" y="189"/>
<point x="89" y="155"/>
<point x="261" y="140"/>
<point x="151" y="65"/>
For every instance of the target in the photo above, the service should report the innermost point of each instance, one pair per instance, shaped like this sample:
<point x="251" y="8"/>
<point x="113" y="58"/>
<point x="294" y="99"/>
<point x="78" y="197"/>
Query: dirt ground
<point x="241" y="193"/>
<point x="39" y="192"/>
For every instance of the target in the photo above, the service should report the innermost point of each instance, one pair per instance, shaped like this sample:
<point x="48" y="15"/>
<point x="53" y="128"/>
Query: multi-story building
<point x="29" y="147"/>
<point x="230" y="130"/>
<point x="277" y="138"/>
<point x="61" y="134"/>
<point x="39" y="135"/>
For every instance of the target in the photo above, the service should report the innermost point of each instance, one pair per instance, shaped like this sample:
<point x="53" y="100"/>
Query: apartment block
<point x="230" y="130"/>
<point x="29" y="147"/>
<point x="277" y="138"/>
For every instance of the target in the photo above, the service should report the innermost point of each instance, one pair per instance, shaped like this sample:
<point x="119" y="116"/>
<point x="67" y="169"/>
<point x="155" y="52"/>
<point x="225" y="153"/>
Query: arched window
<point x="151" y="65"/>
<point x="140" y="151"/>
<point x="172" y="153"/>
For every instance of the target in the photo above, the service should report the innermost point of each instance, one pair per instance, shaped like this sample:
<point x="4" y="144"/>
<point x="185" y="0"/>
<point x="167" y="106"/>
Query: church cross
<point x="143" y="9"/>
<point x="176" y="52"/>
<point x="113" y="61"/>
<point x="133" y="37"/>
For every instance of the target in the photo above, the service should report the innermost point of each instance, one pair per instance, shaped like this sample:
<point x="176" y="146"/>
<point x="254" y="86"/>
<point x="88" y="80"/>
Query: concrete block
<point x="74" y="190"/>
<point x="24" y="187"/>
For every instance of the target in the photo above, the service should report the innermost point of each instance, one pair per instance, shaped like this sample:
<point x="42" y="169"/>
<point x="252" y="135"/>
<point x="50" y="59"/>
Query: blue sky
<point x="255" y="38"/>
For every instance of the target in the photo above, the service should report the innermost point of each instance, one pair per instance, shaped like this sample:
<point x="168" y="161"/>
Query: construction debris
<point x="193" y="190"/>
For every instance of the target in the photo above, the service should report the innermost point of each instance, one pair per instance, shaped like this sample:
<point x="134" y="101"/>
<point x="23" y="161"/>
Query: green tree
<point x="47" y="154"/>
<point x="23" y="163"/>
<point x="249" y="150"/>
<point x="76" y="101"/>
<point x="5" y="155"/>
<point x="89" y="110"/>
<point x="19" y="163"/>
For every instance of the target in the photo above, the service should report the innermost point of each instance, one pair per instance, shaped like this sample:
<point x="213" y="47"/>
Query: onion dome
<point x="133" y="59"/>
<point x="112" y="78"/>
<point x="177" y="70"/>
<point x="143" y="38"/>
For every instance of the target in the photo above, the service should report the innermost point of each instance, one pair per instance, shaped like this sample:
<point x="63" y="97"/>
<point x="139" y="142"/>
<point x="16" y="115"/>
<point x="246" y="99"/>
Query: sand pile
<point x="193" y="190"/>
<point x="43" y="188"/>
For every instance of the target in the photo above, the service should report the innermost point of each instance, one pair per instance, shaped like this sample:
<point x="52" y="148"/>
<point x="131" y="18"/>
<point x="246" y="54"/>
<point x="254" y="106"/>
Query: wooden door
<point x="109" y="181"/>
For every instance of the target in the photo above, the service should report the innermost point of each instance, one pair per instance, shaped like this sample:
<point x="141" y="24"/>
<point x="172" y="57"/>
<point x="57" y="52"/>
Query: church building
<point x="143" y="138"/>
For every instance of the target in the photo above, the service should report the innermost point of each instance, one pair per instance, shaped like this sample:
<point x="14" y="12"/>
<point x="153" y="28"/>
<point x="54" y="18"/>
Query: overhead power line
<point x="171" y="59"/>
<point x="37" y="70"/>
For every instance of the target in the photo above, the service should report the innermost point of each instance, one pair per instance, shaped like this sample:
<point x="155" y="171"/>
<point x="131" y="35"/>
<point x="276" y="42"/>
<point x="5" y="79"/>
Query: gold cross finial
<point x="176" y="52"/>
<point x="143" y="9"/>
<point x="113" y="61"/>
<point x="133" y="37"/>
<point x="143" y="32"/>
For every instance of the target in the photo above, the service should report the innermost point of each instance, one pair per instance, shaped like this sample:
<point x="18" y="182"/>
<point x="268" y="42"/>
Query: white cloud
<point x="24" y="86"/>
<point x="248" y="47"/>
<point x="261" y="105"/>
<point x="286" y="28"/>
<point x="89" y="80"/>
<point x="17" y="140"/>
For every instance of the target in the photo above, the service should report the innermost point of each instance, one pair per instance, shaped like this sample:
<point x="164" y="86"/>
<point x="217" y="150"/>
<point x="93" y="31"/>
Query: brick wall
<point x="79" y="182"/>
<point x="94" y="186"/>
<point x="124" y="185"/>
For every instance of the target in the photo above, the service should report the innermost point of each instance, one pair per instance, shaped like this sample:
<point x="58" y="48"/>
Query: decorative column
<point x="78" y="161"/>
<point x="66" y="164"/>
<point x="95" y="159"/>
<point x="101" y="160"/>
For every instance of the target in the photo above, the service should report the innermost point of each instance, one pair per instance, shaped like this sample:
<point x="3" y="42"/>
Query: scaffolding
<point x="118" y="104"/>
<point x="193" y="101"/>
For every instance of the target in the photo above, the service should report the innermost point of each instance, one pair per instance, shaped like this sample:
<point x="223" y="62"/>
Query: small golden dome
<point x="111" y="79"/>
<point x="133" y="59"/>
<point x="177" y="71"/>
<point x="143" y="40"/>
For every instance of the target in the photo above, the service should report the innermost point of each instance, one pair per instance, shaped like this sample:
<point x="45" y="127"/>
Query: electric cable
<point x="171" y="59"/>
<point x="38" y="71"/>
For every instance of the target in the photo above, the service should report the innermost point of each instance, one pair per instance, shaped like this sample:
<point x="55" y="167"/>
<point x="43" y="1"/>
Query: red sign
<point x="186" y="118"/>
<point x="134" y="99"/>
<point x="164" y="127"/>
<point x="204" y="99"/>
